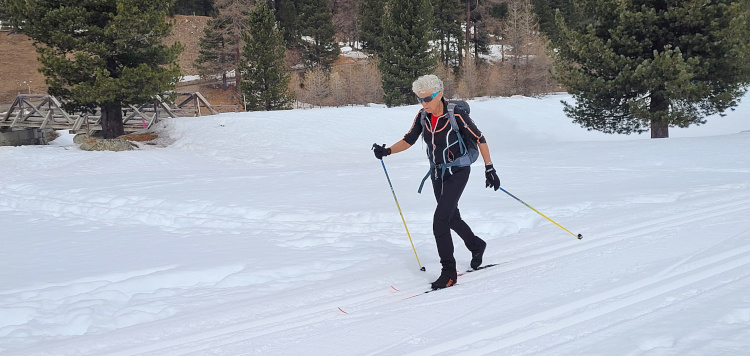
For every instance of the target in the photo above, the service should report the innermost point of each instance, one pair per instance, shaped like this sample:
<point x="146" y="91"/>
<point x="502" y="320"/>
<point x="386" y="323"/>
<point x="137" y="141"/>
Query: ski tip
<point x="341" y="310"/>
<point x="394" y="288"/>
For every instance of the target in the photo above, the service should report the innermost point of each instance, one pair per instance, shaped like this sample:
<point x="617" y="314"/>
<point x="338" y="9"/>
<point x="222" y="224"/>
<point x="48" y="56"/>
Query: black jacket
<point x="442" y="135"/>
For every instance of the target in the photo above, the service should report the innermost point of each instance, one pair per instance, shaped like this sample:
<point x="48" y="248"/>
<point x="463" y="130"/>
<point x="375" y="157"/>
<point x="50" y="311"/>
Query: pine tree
<point x="104" y="53"/>
<point x="12" y="13"/>
<point x="215" y="53"/>
<point x="371" y="25"/>
<point x="485" y="19"/>
<point x="192" y="7"/>
<point x="5" y="12"/>
<point x="407" y="53"/>
<point x="222" y="39"/>
<point x="286" y="15"/>
<point x="545" y="12"/>
<point x="264" y="78"/>
<point x="316" y="29"/>
<point x="448" y="35"/>
<point x="651" y="64"/>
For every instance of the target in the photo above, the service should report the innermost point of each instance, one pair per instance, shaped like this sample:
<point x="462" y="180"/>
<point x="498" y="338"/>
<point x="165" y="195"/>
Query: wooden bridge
<point x="45" y="112"/>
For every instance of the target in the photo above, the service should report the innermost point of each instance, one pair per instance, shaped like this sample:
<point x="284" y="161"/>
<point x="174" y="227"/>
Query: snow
<point x="348" y="51"/>
<point x="189" y="78"/>
<point x="496" y="52"/>
<point x="244" y="233"/>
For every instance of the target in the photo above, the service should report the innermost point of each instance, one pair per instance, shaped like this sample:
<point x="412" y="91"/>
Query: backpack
<point x="468" y="148"/>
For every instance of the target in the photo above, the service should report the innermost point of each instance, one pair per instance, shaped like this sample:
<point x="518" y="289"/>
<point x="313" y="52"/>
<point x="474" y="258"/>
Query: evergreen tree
<point x="215" y="52"/>
<point x="265" y="80"/>
<point x="104" y="53"/>
<point x="12" y="13"/>
<point x="407" y="53"/>
<point x="498" y="11"/>
<point x="545" y="12"/>
<point x="371" y="25"/>
<point x="5" y="12"/>
<point x="221" y="43"/>
<point x="448" y="35"/>
<point x="316" y="29"/>
<point x="192" y="7"/>
<point x="652" y="64"/>
<point x="481" y="21"/>
<point x="286" y="15"/>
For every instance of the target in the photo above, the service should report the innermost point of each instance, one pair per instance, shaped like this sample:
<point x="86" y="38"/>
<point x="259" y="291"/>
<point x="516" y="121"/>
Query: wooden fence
<point x="5" y="26"/>
<point x="45" y="111"/>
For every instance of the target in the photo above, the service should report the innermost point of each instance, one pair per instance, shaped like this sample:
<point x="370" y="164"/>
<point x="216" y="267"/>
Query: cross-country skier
<point x="448" y="181"/>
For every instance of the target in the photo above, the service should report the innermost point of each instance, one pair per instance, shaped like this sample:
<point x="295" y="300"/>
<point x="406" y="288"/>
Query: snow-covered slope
<point x="250" y="233"/>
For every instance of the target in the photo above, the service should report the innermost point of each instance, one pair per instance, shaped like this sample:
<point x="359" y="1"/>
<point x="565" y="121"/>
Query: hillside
<point x="19" y="66"/>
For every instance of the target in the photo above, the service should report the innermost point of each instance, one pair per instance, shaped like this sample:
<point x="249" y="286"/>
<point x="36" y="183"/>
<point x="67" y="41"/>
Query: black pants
<point x="448" y="190"/>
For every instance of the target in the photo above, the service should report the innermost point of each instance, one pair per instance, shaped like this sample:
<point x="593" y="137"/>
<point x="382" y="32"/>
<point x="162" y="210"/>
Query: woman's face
<point x="435" y="106"/>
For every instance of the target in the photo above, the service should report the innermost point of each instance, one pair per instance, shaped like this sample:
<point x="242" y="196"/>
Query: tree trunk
<point x="112" y="121"/>
<point x="659" y="129"/>
<point x="468" y="30"/>
<point x="237" y="75"/>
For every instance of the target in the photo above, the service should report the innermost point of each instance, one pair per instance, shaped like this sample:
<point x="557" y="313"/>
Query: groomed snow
<point x="250" y="233"/>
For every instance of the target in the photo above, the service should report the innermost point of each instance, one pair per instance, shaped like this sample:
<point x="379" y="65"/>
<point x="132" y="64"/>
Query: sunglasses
<point x="428" y="99"/>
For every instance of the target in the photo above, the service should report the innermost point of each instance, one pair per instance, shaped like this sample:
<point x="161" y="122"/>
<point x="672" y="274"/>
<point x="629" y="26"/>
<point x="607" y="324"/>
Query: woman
<point x="433" y="124"/>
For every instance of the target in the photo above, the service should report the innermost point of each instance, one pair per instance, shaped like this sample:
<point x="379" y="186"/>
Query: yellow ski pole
<point x="579" y="236"/>
<point x="421" y="268"/>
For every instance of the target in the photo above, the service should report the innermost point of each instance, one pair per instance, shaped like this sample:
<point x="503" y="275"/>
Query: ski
<point x="479" y="268"/>
<point x="394" y="289"/>
<point x="459" y="275"/>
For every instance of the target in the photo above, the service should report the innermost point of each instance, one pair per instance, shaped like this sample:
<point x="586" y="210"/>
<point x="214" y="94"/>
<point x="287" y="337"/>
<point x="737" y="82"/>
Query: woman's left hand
<point x="491" y="175"/>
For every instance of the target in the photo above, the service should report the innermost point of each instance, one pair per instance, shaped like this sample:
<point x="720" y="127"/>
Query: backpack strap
<point x="422" y="117"/>
<point x="452" y="116"/>
<point x="454" y="125"/>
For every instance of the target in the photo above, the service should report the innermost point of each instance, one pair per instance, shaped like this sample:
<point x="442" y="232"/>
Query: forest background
<point x="271" y="54"/>
<point x="333" y="54"/>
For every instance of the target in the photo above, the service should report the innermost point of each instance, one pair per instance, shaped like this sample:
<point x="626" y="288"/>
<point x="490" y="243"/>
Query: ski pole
<point x="421" y="268"/>
<point x="579" y="236"/>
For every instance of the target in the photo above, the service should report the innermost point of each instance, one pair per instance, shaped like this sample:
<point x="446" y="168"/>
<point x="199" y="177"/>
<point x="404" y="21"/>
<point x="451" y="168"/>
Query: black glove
<point x="380" y="151"/>
<point x="492" y="179"/>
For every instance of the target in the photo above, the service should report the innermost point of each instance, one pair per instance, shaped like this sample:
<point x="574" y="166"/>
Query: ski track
<point x="167" y="215"/>
<point x="696" y="295"/>
<point x="495" y="339"/>
<point x="672" y="278"/>
<point x="568" y="315"/>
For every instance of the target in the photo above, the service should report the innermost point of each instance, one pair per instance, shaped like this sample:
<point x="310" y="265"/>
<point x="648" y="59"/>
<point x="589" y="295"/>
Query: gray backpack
<point x="468" y="148"/>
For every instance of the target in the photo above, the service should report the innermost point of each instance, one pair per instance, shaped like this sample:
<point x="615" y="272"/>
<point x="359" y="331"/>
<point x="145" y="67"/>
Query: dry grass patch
<point x="140" y="137"/>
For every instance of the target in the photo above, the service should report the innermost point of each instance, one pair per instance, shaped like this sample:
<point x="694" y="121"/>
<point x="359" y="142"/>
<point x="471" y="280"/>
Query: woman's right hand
<point x="380" y="151"/>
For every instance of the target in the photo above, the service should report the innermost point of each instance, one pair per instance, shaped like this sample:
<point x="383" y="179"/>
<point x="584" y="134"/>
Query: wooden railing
<point x="45" y="111"/>
<point x="5" y="26"/>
